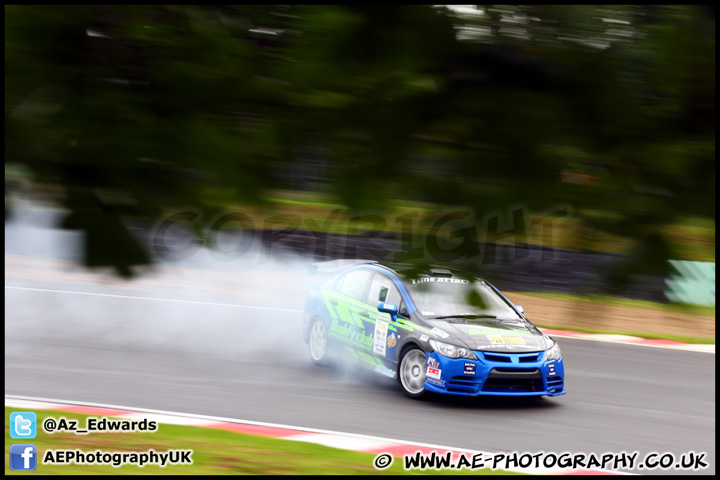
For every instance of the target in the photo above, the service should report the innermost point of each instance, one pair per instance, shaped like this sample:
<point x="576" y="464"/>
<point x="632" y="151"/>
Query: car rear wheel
<point x="318" y="341"/>
<point x="411" y="374"/>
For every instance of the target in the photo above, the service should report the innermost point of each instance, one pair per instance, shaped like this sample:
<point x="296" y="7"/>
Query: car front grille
<point x="499" y="372"/>
<point x="529" y="358"/>
<point x="512" y="358"/>
<point x="497" y="358"/>
<point x="512" y="385"/>
<point x="518" y="373"/>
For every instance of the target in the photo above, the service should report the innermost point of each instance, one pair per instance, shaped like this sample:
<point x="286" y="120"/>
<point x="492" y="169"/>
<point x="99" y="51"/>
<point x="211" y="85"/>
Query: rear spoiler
<point x="333" y="266"/>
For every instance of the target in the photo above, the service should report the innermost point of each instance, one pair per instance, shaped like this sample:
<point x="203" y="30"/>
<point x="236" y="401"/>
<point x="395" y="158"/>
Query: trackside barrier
<point x="694" y="283"/>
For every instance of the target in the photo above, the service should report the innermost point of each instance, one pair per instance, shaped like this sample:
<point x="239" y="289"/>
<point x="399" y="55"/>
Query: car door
<point x="382" y="329"/>
<point x="348" y="311"/>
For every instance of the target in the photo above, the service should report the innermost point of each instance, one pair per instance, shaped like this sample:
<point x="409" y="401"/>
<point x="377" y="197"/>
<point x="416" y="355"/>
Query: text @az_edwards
<point x="98" y="424"/>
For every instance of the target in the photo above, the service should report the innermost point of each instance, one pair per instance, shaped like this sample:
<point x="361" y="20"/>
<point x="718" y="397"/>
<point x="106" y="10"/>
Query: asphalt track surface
<point x="217" y="337"/>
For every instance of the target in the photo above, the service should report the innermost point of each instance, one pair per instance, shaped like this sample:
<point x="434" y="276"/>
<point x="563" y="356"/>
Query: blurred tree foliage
<point x="134" y="110"/>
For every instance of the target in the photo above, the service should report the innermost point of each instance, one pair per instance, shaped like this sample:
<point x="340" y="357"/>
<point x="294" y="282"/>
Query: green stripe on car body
<point x="346" y="316"/>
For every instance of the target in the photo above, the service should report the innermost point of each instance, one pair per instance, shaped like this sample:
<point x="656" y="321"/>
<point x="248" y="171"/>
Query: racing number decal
<point x="380" y="335"/>
<point x="385" y="336"/>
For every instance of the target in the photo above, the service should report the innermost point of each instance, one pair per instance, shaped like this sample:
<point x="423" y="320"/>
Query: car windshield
<point x="440" y="297"/>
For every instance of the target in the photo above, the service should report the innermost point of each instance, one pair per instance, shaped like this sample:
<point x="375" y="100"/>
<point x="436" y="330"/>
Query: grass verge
<point x="682" y="308"/>
<point x="215" y="452"/>
<point x="648" y="335"/>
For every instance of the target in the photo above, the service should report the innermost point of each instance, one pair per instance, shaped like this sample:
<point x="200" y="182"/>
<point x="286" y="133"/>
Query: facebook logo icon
<point x="23" y="425"/>
<point x="23" y="456"/>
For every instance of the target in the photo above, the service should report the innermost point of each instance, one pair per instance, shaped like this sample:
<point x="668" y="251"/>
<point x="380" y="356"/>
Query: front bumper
<point x="506" y="374"/>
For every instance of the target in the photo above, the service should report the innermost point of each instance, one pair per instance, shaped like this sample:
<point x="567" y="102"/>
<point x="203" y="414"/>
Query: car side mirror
<point x="520" y="309"/>
<point x="390" y="308"/>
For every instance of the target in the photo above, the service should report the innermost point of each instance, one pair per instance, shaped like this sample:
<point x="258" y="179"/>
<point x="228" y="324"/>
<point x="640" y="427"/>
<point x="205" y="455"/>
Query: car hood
<point x="495" y="336"/>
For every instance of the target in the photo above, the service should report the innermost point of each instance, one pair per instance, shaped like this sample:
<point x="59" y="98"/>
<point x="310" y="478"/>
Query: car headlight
<point x="553" y="353"/>
<point x="452" y="351"/>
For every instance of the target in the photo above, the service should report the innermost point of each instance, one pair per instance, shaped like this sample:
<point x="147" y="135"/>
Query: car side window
<point x="382" y="289"/>
<point x="353" y="284"/>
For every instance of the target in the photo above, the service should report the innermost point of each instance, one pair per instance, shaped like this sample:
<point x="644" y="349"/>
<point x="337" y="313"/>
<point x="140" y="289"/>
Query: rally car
<point x="438" y="330"/>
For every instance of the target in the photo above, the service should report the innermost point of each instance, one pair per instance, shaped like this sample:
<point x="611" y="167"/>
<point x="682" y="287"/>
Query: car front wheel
<point x="411" y="373"/>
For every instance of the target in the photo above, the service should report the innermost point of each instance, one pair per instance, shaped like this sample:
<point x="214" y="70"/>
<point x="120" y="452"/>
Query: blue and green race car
<point x="436" y="330"/>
